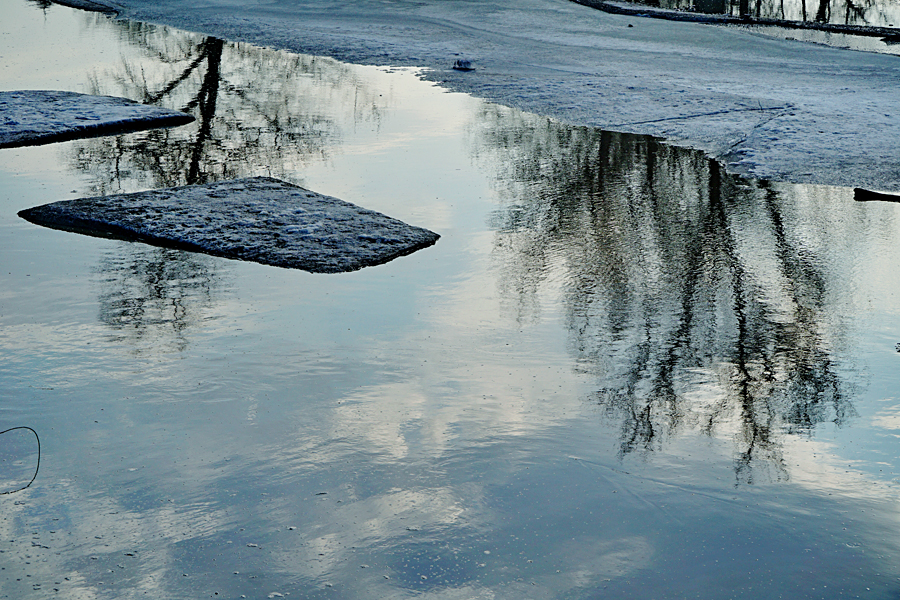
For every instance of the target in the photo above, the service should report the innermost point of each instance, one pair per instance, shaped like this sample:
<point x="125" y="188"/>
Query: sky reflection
<point x="621" y="373"/>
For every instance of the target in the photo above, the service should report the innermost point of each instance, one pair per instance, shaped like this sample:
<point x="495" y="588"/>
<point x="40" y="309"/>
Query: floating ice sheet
<point x="33" y="117"/>
<point x="259" y="219"/>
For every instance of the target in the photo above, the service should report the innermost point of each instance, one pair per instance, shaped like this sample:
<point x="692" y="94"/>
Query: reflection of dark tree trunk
<point x="154" y="98"/>
<point x="854" y="13"/>
<point x="206" y="100"/>
<point x="279" y="122"/>
<point x="276" y="127"/>
<point x="210" y="51"/>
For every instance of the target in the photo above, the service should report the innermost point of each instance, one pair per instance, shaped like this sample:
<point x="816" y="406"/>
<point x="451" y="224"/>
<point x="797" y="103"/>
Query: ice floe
<point x="257" y="219"/>
<point x="33" y="117"/>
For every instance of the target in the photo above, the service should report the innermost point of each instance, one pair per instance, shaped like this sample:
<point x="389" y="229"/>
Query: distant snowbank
<point x="33" y="117"/>
<point x="770" y="108"/>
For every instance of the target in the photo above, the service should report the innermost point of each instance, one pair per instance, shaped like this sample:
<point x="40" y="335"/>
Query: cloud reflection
<point x="456" y="457"/>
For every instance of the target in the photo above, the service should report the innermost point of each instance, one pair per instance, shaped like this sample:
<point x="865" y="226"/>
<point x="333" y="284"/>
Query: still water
<point x="621" y="372"/>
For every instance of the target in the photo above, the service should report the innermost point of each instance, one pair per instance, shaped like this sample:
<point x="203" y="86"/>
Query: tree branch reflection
<point x="258" y="112"/>
<point x="151" y="297"/>
<point x="877" y="13"/>
<point x="688" y="292"/>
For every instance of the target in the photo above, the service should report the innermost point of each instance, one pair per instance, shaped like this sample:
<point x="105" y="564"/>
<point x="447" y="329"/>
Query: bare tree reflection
<point x="688" y="293"/>
<point x="152" y="296"/>
<point x="880" y="13"/>
<point x="258" y="112"/>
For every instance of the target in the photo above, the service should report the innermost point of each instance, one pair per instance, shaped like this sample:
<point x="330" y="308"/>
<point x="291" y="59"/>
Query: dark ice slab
<point x="258" y="219"/>
<point x="33" y="117"/>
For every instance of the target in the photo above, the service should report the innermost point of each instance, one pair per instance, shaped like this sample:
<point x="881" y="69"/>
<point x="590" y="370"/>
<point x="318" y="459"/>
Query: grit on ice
<point x="769" y="108"/>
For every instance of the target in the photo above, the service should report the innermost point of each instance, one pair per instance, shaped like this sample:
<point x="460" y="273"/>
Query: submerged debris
<point x="34" y="117"/>
<point x="258" y="219"/>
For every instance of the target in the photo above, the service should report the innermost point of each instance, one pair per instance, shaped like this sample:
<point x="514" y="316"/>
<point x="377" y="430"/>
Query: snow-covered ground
<point x="31" y="117"/>
<point x="777" y="109"/>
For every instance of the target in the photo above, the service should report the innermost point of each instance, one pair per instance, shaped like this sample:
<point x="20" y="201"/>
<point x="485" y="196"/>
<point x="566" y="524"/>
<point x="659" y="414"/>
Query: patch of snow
<point x="33" y="117"/>
<point x="297" y="228"/>
<point x="803" y="112"/>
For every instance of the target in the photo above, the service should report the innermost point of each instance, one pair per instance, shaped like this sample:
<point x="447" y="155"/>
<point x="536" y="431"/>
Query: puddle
<point x="621" y="372"/>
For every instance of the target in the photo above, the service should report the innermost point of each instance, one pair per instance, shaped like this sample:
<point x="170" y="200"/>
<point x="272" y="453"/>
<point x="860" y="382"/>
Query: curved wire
<point x="36" y="468"/>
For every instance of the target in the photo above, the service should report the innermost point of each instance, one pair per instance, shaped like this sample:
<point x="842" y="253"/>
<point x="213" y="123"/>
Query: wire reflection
<point x="37" y="466"/>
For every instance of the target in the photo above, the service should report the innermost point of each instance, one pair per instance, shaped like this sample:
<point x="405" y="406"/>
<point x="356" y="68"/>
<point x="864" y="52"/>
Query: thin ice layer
<point x="258" y="219"/>
<point x="34" y="117"/>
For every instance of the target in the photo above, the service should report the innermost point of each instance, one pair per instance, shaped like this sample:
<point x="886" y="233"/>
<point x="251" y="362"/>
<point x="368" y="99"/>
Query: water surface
<point x="620" y="373"/>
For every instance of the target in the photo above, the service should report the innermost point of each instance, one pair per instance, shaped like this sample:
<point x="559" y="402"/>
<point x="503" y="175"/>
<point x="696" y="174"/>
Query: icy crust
<point x="767" y="108"/>
<point x="34" y="117"/>
<point x="258" y="219"/>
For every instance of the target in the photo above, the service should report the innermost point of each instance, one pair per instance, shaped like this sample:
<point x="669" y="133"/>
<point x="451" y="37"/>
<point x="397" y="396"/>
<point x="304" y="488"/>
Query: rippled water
<point x="620" y="373"/>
